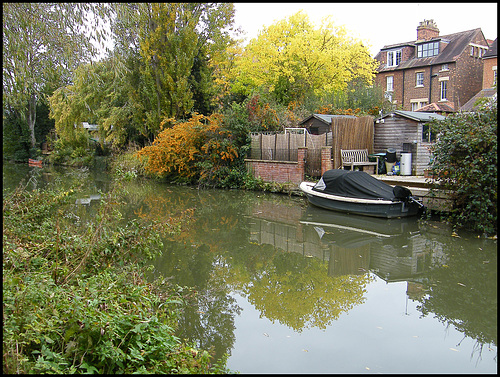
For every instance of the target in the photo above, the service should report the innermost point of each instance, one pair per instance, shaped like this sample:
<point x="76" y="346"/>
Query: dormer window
<point x="425" y="50"/>
<point x="393" y="58"/>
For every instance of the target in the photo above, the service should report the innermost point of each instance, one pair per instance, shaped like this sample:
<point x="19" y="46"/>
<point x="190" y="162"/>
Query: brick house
<point x="489" y="78"/>
<point x="444" y="70"/>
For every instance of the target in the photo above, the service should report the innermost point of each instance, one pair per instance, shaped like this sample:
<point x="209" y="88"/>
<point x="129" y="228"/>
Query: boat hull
<point x="366" y="207"/>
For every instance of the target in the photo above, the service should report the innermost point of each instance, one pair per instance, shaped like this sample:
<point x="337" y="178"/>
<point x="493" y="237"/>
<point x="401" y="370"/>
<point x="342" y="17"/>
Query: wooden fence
<point x="283" y="147"/>
<point x="346" y="133"/>
<point x="351" y="133"/>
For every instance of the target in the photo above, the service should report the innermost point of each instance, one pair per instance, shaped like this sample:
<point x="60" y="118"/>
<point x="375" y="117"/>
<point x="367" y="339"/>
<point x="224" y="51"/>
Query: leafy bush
<point x="199" y="146"/>
<point x="465" y="160"/>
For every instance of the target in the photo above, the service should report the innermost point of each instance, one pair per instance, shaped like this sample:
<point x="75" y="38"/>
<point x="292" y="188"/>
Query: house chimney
<point x="426" y="30"/>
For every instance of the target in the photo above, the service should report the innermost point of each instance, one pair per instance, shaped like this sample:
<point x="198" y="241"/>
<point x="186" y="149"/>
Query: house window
<point x="420" y="79"/>
<point x="418" y="104"/>
<point x="494" y="77"/>
<point x="477" y="51"/>
<point x="428" y="49"/>
<point x="393" y="58"/>
<point x="445" y="67"/>
<point x="390" y="83"/>
<point x="444" y="90"/>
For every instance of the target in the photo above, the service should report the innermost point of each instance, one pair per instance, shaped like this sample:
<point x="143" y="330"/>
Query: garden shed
<point x="319" y="124"/>
<point x="406" y="131"/>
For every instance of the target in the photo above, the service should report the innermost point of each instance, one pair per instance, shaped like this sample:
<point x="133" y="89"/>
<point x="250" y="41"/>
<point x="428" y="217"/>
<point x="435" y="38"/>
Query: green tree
<point x="42" y="44"/>
<point x="100" y="93"/>
<point x="465" y="160"/>
<point x="293" y="60"/>
<point x="174" y="46"/>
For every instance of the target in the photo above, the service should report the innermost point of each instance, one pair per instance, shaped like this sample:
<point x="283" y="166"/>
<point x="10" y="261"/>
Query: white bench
<point x="357" y="157"/>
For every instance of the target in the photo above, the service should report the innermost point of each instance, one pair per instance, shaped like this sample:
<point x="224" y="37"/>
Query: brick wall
<point x="397" y="94"/>
<point x="469" y="78"/>
<point x="488" y="73"/>
<point x="279" y="171"/>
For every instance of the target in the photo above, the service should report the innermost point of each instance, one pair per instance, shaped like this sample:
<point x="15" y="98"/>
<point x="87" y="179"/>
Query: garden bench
<point x="357" y="157"/>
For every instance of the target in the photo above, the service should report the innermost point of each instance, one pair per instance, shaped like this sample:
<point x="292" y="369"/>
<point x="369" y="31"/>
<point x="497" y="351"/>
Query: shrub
<point x="465" y="159"/>
<point x="190" y="149"/>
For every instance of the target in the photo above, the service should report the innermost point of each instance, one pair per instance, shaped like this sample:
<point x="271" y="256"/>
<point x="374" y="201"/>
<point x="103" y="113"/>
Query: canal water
<point x="283" y="287"/>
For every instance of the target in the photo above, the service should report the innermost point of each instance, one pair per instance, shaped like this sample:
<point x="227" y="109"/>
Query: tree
<point x="293" y="59"/>
<point x="43" y="43"/>
<point x="99" y="94"/>
<point x="175" y="44"/>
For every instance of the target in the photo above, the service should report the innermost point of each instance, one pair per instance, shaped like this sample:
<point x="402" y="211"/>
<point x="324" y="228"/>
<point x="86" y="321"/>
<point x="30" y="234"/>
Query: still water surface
<point x="287" y="288"/>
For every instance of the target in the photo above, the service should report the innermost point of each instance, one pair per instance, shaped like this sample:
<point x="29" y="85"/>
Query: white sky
<point x="375" y="24"/>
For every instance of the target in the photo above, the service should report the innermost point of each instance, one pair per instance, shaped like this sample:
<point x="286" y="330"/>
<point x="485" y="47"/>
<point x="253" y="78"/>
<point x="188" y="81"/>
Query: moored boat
<point x="359" y="193"/>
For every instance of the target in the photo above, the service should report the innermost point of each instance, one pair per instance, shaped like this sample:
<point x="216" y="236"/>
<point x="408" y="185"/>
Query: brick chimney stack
<point x="426" y="30"/>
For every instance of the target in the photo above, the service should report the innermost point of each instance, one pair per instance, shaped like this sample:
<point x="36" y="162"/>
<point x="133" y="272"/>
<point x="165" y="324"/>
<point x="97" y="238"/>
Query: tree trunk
<point x="32" y="118"/>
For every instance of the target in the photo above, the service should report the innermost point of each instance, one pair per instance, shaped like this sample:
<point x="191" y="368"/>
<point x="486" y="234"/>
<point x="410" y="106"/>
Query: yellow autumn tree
<point x="292" y="59"/>
<point x="189" y="149"/>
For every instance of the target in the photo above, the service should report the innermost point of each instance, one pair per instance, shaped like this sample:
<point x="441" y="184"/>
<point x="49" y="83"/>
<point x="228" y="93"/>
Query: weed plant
<point x="75" y="298"/>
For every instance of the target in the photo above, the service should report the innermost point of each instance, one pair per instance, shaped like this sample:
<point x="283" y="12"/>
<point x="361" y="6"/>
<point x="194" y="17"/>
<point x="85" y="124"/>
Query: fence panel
<point x="284" y="147"/>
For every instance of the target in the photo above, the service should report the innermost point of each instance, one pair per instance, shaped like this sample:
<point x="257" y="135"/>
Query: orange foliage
<point x="328" y="109"/>
<point x="182" y="148"/>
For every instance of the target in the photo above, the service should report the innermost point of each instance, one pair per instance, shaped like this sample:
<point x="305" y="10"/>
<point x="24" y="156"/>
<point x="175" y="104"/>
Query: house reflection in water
<point x="392" y="249"/>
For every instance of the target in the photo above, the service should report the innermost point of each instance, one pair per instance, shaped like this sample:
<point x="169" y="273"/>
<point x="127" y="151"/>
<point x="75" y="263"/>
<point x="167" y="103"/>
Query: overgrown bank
<point x="75" y="297"/>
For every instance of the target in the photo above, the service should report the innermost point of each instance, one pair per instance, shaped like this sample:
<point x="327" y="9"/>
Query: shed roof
<point x="325" y="118"/>
<point x="416" y="115"/>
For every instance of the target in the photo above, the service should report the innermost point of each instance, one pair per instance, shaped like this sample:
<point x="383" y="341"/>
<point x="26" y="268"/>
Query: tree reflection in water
<point x="462" y="292"/>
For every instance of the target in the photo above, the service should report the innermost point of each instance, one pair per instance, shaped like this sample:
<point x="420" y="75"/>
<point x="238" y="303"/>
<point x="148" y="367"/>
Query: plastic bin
<point x="390" y="155"/>
<point x="405" y="164"/>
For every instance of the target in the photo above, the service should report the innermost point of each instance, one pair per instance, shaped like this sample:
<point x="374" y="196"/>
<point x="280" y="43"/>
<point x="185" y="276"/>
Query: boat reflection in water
<point x="393" y="249"/>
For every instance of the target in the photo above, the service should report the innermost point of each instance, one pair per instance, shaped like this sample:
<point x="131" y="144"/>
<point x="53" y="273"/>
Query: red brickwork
<point x="427" y="30"/>
<point x="279" y="171"/>
<point x="326" y="159"/>
<point x="488" y="73"/>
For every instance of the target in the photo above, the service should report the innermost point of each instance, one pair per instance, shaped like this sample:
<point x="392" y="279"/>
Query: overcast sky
<point x="375" y="24"/>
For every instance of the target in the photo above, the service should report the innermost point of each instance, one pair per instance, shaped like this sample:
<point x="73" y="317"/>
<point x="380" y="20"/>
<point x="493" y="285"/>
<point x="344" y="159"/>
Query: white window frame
<point x="443" y="91"/>
<point x="394" y="58"/>
<point x="426" y="50"/>
<point x="445" y="67"/>
<point x="419" y="79"/>
<point x="389" y="79"/>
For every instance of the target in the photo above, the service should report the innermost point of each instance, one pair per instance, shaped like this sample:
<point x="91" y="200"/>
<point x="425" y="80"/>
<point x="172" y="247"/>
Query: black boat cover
<point x="358" y="184"/>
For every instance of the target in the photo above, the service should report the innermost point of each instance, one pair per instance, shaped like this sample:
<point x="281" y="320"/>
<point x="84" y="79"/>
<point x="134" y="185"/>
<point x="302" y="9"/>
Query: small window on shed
<point x="428" y="134"/>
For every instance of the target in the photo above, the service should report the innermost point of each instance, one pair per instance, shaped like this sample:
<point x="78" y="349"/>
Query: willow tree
<point x="42" y="44"/>
<point x="293" y="59"/>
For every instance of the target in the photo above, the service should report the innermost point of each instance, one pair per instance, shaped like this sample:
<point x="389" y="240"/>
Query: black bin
<point x="390" y="155"/>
